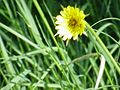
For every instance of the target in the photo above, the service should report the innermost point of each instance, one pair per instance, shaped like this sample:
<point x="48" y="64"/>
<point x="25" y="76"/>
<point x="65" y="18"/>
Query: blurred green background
<point x="32" y="58"/>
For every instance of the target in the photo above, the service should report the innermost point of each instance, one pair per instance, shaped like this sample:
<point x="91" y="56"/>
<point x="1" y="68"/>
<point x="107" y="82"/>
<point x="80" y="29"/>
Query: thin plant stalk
<point x="104" y="50"/>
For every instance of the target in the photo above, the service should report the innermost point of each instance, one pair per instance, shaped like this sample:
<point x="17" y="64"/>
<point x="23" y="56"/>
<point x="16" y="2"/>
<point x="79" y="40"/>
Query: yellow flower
<point x="70" y="23"/>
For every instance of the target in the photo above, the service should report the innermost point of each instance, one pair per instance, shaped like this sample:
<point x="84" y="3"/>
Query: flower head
<point x="70" y="23"/>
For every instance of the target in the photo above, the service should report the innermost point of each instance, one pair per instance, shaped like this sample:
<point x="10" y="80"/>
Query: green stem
<point x="8" y="64"/>
<point x="107" y="54"/>
<point x="59" y="50"/>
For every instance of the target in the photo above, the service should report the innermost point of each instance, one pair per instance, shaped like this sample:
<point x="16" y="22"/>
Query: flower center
<point x="72" y="22"/>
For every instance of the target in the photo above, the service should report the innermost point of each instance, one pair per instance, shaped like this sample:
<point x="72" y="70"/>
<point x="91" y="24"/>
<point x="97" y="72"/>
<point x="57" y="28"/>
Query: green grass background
<point x="32" y="58"/>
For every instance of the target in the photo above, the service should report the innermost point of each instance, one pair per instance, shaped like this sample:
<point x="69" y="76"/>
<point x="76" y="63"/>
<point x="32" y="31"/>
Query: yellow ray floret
<point x="70" y="23"/>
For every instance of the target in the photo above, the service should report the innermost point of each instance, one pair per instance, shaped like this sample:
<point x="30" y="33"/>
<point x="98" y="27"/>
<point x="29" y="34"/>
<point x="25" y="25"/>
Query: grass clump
<point x="32" y="58"/>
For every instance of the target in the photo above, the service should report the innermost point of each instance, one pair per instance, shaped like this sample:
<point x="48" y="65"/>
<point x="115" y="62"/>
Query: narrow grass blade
<point x="102" y="66"/>
<point x="16" y="80"/>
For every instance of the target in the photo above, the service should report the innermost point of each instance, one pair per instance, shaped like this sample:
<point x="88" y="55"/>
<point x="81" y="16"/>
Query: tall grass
<point x="32" y="58"/>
